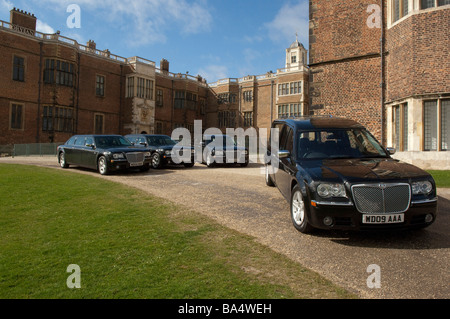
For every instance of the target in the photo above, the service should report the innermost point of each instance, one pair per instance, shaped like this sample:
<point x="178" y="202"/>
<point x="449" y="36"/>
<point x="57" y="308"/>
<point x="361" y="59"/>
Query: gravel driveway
<point x="413" y="264"/>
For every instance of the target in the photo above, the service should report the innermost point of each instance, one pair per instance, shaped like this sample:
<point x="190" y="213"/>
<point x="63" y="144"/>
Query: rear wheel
<point x="299" y="214"/>
<point x="103" y="166"/>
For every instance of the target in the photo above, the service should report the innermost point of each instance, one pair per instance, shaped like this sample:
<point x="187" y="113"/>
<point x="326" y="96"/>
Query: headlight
<point x="118" y="155"/>
<point x="167" y="152"/>
<point x="147" y="154"/>
<point x="331" y="190"/>
<point x="160" y="150"/>
<point x="422" y="187"/>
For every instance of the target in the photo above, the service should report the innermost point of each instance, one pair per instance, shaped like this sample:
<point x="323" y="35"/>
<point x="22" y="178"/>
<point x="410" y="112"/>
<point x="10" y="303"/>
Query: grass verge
<point x="129" y="245"/>
<point x="442" y="178"/>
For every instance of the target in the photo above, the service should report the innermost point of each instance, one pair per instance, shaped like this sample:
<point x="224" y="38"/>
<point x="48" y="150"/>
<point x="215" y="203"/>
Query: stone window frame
<point x="438" y="124"/>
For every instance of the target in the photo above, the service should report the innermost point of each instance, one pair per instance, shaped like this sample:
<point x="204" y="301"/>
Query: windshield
<point x="336" y="143"/>
<point x="160" y="140"/>
<point x="111" y="141"/>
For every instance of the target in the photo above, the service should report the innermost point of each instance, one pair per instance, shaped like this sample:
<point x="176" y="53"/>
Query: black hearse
<point x="336" y="175"/>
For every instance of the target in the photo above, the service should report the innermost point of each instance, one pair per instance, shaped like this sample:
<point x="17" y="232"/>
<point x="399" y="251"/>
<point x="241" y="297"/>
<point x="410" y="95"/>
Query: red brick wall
<point x="419" y="60"/>
<point x="345" y="65"/>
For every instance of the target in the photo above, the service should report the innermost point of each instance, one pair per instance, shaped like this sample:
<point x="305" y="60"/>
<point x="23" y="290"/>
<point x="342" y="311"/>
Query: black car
<point x="164" y="149"/>
<point x="336" y="175"/>
<point x="222" y="149"/>
<point x="105" y="153"/>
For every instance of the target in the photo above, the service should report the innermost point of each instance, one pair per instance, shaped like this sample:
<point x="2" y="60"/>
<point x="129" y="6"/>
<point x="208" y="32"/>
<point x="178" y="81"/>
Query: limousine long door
<point x="286" y="169"/>
<point x="89" y="154"/>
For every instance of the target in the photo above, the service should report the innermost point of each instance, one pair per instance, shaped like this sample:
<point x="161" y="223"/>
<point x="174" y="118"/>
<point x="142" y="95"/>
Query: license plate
<point x="383" y="218"/>
<point x="136" y="164"/>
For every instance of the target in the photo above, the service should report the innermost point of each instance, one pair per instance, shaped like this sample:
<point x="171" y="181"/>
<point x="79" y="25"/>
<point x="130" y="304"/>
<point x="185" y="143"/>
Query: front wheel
<point x="299" y="214"/>
<point x="209" y="160"/>
<point x="62" y="160"/>
<point x="156" y="160"/>
<point x="103" y="166"/>
<point x="269" y="181"/>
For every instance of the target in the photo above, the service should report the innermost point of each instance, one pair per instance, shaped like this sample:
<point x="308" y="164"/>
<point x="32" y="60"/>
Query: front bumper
<point x="231" y="158"/>
<point x="122" y="164"/>
<point x="345" y="216"/>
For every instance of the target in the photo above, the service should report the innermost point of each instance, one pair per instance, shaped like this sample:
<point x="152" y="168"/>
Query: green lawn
<point x="129" y="245"/>
<point x="442" y="178"/>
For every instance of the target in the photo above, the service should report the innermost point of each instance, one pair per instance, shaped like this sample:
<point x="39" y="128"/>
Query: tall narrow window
<point x="99" y="124"/>
<point x="130" y="87"/>
<point x="100" y="86"/>
<point x="19" y="69"/>
<point x="16" y="120"/>
<point x="159" y="98"/>
<point x="443" y="2"/>
<point x="400" y="127"/>
<point x="445" y="125"/>
<point x="180" y="99"/>
<point x="430" y="126"/>
<point x="248" y="119"/>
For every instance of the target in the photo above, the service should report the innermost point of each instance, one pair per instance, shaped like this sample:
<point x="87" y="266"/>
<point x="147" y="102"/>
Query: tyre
<point x="299" y="214"/>
<point x="156" y="160"/>
<point x="145" y="168"/>
<point x="102" y="165"/>
<point x="209" y="160"/>
<point x="269" y="181"/>
<point x="62" y="160"/>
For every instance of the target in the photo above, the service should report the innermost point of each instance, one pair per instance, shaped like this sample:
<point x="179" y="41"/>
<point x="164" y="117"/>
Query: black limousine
<point x="105" y="153"/>
<point x="336" y="175"/>
<point x="165" y="150"/>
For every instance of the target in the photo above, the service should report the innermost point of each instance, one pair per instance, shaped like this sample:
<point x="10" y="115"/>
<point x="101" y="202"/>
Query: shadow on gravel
<point x="433" y="237"/>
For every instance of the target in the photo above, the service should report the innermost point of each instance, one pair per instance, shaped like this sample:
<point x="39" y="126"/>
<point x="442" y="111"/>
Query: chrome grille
<point x="135" y="157"/>
<point x="382" y="198"/>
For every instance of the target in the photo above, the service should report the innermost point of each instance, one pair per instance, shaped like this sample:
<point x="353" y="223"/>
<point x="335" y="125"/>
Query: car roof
<point x="96" y="135"/>
<point x="305" y="123"/>
<point x="146" y="135"/>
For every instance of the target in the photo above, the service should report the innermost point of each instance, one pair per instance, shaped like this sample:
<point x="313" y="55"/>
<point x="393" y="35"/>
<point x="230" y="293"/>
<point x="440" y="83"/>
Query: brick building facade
<point x="257" y="100"/>
<point x="386" y="64"/>
<point x="53" y="87"/>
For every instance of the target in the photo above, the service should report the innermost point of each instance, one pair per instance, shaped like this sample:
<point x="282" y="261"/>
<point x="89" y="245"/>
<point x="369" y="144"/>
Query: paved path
<point x="413" y="264"/>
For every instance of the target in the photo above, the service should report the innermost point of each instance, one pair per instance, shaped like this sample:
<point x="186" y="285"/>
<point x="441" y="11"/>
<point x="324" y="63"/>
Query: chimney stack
<point x="164" y="65"/>
<point x="23" y="19"/>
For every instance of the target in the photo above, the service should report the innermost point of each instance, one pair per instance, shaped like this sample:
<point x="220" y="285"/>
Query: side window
<point x="283" y="137"/>
<point x="71" y="141"/>
<point x="79" y="141"/>
<point x="89" y="141"/>
<point x="289" y="140"/>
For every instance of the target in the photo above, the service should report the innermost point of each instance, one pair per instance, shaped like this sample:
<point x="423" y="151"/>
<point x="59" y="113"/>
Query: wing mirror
<point x="283" y="154"/>
<point x="391" y="150"/>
